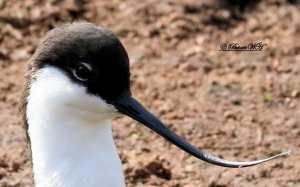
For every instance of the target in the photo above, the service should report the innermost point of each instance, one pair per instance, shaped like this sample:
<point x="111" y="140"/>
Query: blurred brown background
<point x="236" y="105"/>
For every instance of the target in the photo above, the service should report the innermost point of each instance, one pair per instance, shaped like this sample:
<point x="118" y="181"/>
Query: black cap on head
<point x="89" y="51"/>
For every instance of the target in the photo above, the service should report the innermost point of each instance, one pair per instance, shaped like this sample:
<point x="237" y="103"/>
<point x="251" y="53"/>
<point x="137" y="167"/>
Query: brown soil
<point x="236" y="105"/>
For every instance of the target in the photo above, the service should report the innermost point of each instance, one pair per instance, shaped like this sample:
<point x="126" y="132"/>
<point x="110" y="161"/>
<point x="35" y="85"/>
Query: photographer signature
<point x="237" y="47"/>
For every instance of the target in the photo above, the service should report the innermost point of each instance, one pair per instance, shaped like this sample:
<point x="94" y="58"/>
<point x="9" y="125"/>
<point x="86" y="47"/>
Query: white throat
<point x="70" y="132"/>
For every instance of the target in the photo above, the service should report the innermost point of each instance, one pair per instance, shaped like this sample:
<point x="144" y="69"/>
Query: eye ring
<point x="82" y="71"/>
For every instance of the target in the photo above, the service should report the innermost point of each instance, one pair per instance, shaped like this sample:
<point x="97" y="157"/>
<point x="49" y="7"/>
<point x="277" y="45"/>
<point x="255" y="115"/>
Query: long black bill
<point x="132" y="108"/>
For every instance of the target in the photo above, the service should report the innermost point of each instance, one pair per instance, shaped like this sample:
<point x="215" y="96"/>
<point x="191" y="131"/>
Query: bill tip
<point x="287" y="153"/>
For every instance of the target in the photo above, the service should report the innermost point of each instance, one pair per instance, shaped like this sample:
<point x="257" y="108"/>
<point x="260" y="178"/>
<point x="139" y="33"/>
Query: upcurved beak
<point x="132" y="108"/>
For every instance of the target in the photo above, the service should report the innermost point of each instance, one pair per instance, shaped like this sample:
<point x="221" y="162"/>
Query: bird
<point x="77" y="81"/>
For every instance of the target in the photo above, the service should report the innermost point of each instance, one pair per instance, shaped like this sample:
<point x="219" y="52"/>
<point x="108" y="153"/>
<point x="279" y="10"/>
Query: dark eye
<point x="82" y="71"/>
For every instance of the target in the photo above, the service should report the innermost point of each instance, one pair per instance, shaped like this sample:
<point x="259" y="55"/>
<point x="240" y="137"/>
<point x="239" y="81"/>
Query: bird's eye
<point x="82" y="71"/>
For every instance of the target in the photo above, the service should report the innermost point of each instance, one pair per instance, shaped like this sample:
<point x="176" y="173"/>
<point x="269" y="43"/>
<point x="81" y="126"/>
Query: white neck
<point x="67" y="149"/>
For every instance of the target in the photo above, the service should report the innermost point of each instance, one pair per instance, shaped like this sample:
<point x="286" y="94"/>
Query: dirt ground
<point x="239" y="105"/>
